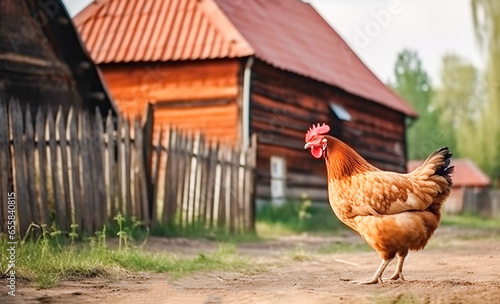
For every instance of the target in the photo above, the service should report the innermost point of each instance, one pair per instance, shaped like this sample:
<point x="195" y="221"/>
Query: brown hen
<point x="393" y="212"/>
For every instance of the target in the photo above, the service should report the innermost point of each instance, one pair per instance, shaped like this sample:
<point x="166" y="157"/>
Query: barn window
<point x="278" y="179"/>
<point x="340" y="112"/>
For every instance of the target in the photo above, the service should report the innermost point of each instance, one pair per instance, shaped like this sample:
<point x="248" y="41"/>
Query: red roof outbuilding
<point x="287" y="34"/>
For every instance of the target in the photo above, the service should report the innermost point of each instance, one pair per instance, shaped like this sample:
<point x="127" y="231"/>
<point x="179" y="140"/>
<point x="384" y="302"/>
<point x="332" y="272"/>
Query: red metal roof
<point x="465" y="174"/>
<point x="287" y="34"/>
<point x="158" y="30"/>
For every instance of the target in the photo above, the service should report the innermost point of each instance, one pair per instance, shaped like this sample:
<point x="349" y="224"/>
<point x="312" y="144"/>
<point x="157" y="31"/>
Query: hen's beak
<point x="307" y="146"/>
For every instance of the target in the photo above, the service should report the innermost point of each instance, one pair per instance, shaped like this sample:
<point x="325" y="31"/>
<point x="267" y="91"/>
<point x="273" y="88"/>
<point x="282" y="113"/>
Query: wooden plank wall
<point x="201" y="95"/>
<point x="285" y="105"/>
<point x="84" y="169"/>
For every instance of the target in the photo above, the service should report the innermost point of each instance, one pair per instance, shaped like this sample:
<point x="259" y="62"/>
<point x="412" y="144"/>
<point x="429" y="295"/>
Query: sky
<point x="377" y="30"/>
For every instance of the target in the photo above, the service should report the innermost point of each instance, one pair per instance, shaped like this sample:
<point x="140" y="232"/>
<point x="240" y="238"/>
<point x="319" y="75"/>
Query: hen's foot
<point x="397" y="275"/>
<point x="377" y="277"/>
<point x="373" y="280"/>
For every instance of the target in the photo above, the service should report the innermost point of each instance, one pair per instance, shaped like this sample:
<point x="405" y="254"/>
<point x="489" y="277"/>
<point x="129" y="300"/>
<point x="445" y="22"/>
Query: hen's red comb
<point x="316" y="130"/>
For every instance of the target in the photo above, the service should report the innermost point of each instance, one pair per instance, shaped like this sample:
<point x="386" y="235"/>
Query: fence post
<point x="147" y="152"/>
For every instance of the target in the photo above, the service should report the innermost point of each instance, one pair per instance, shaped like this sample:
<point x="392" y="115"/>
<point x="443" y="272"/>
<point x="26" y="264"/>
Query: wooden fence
<point x="485" y="202"/>
<point x="82" y="168"/>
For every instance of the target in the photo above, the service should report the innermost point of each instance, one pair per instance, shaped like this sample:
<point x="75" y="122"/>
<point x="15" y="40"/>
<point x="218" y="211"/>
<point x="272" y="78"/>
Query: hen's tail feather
<point x="438" y="163"/>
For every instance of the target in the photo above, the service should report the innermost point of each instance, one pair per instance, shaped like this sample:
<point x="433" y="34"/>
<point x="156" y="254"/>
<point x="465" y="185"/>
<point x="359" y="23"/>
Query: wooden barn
<point x="43" y="61"/>
<point x="470" y="192"/>
<point x="235" y="68"/>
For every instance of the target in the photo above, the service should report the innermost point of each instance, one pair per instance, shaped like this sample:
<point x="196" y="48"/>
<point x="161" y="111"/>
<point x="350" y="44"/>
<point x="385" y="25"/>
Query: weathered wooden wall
<point x="30" y="68"/>
<point x="285" y="105"/>
<point x="42" y="62"/>
<point x="196" y="96"/>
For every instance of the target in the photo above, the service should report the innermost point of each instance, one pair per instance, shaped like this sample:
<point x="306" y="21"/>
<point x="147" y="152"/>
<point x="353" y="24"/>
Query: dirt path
<point x="450" y="271"/>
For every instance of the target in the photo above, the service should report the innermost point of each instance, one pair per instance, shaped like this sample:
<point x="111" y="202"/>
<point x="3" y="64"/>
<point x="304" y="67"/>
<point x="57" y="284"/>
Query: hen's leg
<point x="377" y="277"/>
<point x="398" y="274"/>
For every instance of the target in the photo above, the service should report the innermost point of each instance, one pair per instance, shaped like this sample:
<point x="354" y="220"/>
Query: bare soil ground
<point x="457" y="267"/>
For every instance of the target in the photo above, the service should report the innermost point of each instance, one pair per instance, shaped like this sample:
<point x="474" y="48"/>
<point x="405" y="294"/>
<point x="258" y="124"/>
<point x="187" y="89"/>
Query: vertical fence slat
<point x="30" y="165"/>
<point x="203" y="182"/>
<point x="50" y="137"/>
<point x="228" y="190"/>
<point x="126" y="182"/>
<point x="142" y="160"/>
<point x="171" y="177"/>
<point x="241" y="190"/>
<point x="218" y="182"/>
<point x="62" y="166"/>
<point x="198" y="181"/>
<point x="74" y="168"/>
<point x="234" y="220"/>
<point x="87" y="203"/>
<point x="193" y="174"/>
<point x="181" y="146"/>
<point x="220" y="203"/>
<point x="41" y="165"/>
<point x="170" y="185"/>
<point x="158" y="159"/>
<point x="4" y="163"/>
<point x="19" y="160"/>
<point x="98" y="169"/>
<point x="212" y="172"/>
<point x="133" y="185"/>
<point x="120" y="169"/>
<point x="250" y="184"/>
<point x="146" y="129"/>
<point x="110" y="167"/>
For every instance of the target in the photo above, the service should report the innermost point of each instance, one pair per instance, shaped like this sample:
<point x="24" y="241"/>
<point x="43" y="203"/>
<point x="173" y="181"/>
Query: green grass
<point x="54" y="256"/>
<point x="300" y="254"/>
<point x="470" y="221"/>
<point x="45" y="264"/>
<point x="199" y="230"/>
<point x="403" y="298"/>
<point x="296" y="217"/>
<point x="225" y="258"/>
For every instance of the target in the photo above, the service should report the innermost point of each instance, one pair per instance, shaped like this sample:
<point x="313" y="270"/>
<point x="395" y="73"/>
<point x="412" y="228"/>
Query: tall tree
<point x="458" y="101"/>
<point x="413" y="84"/>
<point x="486" y="16"/>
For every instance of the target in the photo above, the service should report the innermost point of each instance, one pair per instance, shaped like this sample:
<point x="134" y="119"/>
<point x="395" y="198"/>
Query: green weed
<point x="296" y="217"/>
<point x="470" y="221"/>
<point x="55" y="255"/>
